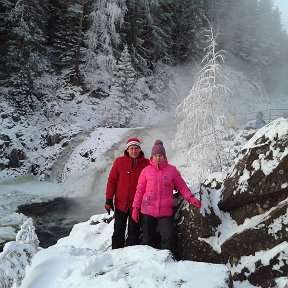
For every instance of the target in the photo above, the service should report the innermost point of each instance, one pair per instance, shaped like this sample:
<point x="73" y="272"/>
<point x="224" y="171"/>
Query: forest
<point x="112" y="47"/>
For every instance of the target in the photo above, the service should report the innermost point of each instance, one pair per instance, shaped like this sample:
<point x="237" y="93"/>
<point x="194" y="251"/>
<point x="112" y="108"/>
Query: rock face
<point x="260" y="172"/>
<point x="254" y="196"/>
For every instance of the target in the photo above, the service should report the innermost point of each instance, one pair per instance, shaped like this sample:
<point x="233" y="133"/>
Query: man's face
<point x="133" y="151"/>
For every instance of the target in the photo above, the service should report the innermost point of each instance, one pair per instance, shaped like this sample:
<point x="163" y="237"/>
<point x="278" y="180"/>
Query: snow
<point x="277" y="225"/>
<point x="84" y="259"/>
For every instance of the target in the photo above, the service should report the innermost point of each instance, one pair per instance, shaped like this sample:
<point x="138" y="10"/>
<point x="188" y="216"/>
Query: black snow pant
<point x="166" y="230"/>
<point x="118" y="237"/>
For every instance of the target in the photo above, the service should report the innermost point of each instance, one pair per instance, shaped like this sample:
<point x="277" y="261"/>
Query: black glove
<point x="109" y="205"/>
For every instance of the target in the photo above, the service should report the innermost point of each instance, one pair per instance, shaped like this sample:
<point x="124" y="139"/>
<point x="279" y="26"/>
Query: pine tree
<point x="102" y="40"/>
<point x="122" y="92"/>
<point x="63" y="35"/>
<point x="239" y="30"/>
<point x="159" y="22"/>
<point x="26" y="54"/>
<point x="17" y="255"/>
<point x="267" y="38"/>
<point x="125" y="77"/>
<point x="134" y="27"/>
<point x="187" y="29"/>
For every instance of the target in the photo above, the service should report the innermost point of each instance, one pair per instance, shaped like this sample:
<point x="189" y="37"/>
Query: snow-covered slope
<point x="85" y="259"/>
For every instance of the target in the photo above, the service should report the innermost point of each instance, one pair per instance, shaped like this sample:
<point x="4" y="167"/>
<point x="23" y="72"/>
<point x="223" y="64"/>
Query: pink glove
<point x="135" y="214"/>
<point x="195" y="202"/>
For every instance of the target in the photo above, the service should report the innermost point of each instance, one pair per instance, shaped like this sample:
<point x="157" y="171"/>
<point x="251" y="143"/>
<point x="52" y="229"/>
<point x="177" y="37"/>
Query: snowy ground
<point x="84" y="259"/>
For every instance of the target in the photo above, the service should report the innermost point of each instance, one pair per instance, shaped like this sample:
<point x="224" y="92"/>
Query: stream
<point x="55" y="219"/>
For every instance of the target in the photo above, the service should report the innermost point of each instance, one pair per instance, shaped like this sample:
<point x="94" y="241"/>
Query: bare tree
<point x="200" y="114"/>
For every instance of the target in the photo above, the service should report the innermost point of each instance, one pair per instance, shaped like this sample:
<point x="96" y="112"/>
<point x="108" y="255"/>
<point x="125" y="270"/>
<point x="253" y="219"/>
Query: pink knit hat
<point x="158" y="148"/>
<point x="133" y="141"/>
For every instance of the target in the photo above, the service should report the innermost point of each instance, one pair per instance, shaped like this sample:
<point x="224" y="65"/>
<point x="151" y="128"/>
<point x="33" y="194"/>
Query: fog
<point x="283" y="7"/>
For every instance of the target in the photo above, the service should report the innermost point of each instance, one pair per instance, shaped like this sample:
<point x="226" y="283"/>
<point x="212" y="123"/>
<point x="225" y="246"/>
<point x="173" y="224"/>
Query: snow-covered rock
<point x="260" y="170"/>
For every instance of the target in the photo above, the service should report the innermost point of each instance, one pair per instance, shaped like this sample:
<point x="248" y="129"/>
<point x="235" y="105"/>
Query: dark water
<point x="55" y="219"/>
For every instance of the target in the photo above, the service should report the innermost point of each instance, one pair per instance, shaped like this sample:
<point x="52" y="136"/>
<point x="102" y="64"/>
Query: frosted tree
<point x="25" y="57"/>
<point x="17" y="255"/>
<point x="200" y="114"/>
<point x="125" y="77"/>
<point x="101" y="40"/>
<point x="122" y="92"/>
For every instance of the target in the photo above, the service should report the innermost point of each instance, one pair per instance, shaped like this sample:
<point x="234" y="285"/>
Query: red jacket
<point x="123" y="179"/>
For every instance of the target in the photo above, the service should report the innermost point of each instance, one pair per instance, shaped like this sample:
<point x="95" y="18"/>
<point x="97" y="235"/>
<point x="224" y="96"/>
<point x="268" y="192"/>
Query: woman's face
<point x="158" y="158"/>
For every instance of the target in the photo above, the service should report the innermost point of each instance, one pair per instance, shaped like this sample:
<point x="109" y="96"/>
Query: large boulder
<point x="255" y="194"/>
<point x="192" y="225"/>
<point x="260" y="170"/>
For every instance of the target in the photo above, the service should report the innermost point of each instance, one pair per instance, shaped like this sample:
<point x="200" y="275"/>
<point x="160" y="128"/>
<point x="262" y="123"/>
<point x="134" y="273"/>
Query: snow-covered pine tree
<point x="80" y="7"/>
<point x="125" y="77"/>
<point x="239" y="30"/>
<point x="26" y="54"/>
<point x="187" y="28"/>
<point x="27" y="234"/>
<point x="133" y="33"/>
<point x="122" y="93"/>
<point x="200" y="114"/>
<point x="17" y="255"/>
<point x="62" y="35"/>
<point x="102" y="39"/>
<point x="159" y="22"/>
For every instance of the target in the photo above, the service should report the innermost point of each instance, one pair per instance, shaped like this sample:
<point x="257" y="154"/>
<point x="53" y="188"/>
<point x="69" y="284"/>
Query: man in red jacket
<point x="121" y="187"/>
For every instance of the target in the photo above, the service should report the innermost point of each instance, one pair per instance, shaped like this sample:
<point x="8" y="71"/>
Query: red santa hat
<point x="133" y="141"/>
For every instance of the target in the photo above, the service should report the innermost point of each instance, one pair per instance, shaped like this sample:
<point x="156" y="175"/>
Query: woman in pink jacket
<point x="154" y="198"/>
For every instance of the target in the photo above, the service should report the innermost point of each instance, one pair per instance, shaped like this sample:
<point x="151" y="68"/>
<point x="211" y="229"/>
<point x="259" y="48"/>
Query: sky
<point x="283" y="6"/>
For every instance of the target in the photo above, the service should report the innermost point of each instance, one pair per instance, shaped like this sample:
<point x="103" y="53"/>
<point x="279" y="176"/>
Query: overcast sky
<point x="283" y="6"/>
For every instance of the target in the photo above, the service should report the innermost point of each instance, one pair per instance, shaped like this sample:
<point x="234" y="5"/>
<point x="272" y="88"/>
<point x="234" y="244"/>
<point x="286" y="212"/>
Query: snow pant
<point x="118" y="237"/>
<point x="165" y="227"/>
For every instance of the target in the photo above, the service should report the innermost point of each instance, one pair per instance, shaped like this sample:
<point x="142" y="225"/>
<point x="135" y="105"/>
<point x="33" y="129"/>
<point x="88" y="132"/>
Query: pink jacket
<point x="154" y="192"/>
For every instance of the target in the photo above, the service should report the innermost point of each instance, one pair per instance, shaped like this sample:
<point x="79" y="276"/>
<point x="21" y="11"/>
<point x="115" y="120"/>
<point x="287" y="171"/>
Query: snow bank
<point x="84" y="259"/>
